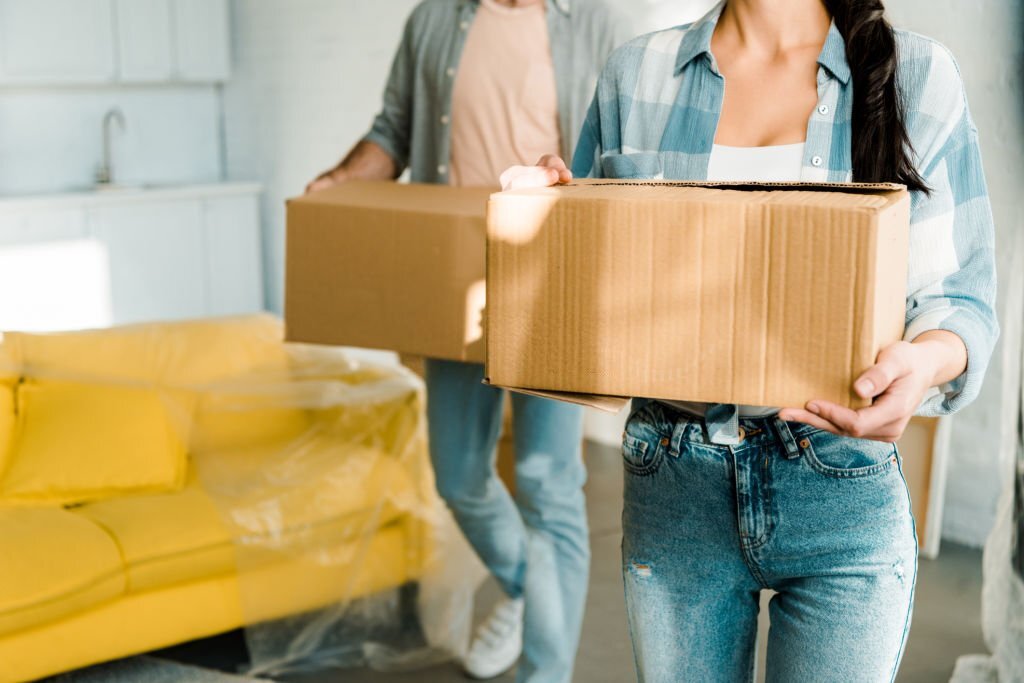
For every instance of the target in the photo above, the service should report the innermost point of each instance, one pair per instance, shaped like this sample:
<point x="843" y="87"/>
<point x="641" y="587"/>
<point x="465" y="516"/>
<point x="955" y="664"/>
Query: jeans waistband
<point x="723" y="428"/>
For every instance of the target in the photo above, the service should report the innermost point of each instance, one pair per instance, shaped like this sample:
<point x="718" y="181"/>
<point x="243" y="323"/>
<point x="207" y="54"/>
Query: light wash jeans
<point x="536" y="545"/>
<point x="823" y="520"/>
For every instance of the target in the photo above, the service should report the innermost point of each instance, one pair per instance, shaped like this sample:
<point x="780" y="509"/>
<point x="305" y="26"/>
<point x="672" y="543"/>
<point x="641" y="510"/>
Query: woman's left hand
<point x="898" y="382"/>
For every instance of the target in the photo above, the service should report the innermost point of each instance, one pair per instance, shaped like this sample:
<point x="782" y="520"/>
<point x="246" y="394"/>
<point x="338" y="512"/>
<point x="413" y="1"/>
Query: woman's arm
<point x="951" y="324"/>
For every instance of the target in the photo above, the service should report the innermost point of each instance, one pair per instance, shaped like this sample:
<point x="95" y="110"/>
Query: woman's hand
<point x="898" y="382"/>
<point x="550" y="170"/>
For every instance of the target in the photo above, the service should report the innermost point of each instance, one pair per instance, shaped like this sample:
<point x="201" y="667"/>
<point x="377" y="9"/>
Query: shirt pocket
<point x="633" y="165"/>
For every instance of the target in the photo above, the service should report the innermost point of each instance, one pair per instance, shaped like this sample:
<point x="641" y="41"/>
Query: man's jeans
<point x="823" y="520"/>
<point x="536" y="545"/>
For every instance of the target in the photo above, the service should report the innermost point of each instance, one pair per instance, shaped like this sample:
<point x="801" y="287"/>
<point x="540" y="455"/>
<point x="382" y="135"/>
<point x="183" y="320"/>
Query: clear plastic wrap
<point x="298" y="470"/>
<point x="346" y="556"/>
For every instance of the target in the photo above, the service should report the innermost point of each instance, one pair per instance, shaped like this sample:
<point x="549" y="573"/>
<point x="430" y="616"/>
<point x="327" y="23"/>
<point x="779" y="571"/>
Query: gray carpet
<point x="148" y="670"/>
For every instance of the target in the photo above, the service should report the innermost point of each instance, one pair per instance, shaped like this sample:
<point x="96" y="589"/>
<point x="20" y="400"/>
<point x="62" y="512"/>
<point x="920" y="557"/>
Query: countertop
<point x="124" y="195"/>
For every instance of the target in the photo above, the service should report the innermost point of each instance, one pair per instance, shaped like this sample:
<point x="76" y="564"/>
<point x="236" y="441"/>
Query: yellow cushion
<point x="179" y="354"/>
<point x="247" y="416"/>
<point x="10" y="368"/>
<point x="7" y="422"/>
<point x="53" y="564"/>
<point x="141" y="622"/>
<point x="9" y="373"/>
<point x="166" y="538"/>
<point x="79" y="442"/>
<point x="186" y="536"/>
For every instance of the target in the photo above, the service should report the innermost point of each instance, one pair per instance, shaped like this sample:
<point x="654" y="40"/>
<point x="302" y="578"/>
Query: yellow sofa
<point x="165" y="482"/>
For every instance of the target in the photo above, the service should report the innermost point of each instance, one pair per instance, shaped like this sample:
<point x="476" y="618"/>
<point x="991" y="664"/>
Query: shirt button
<point x="817" y="161"/>
<point x="442" y="169"/>
<point x="445" y="120"/>
<point x="823" y="109"/>
<point x="450" y="72"/>
<point x="464" y="26"/>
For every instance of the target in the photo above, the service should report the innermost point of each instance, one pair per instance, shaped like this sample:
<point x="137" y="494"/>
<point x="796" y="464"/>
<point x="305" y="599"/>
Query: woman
<point x="811" y="501"/>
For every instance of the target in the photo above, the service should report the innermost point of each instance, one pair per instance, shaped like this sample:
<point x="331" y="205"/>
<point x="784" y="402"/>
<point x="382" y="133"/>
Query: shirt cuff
<point x="960" y="392"/>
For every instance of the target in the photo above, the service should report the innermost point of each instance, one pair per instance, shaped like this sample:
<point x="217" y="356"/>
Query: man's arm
<point x="384" y="152"/>
<point x="366" y="161"/>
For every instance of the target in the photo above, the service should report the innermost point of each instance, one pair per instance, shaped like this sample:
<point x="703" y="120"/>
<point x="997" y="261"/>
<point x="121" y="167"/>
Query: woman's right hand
<point x="550" y="170"/>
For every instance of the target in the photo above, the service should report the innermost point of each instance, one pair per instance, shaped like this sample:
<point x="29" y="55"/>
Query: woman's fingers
<point x="520" y="177"/>
<point x="556" y="162"/>
<point x="892" y="364"/>
<point x="801" y="415"/>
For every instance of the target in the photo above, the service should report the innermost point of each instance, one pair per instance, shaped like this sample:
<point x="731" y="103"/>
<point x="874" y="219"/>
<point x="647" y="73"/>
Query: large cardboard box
<point x="388" y="266"/>
<point x="765" y="295"/>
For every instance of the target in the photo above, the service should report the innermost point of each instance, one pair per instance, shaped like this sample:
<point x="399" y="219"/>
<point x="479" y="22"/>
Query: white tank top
<point x="778" y="163"/>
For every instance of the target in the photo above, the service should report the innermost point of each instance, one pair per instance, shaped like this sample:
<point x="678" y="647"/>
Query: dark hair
<point x="881" y="147"/>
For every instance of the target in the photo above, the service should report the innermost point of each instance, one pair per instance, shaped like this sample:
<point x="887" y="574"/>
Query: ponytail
<point x="881" y="146"/>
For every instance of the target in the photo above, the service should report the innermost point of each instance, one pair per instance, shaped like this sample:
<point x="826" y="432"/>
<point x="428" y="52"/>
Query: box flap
<point x="607" y="404"/>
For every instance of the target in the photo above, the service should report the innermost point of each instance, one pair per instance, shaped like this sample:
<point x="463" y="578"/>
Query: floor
<point x="946" y="619"/>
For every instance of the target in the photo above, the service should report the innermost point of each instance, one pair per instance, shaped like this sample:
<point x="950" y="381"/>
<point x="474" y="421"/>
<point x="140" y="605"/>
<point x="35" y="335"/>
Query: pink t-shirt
<point x="504" y="102"/>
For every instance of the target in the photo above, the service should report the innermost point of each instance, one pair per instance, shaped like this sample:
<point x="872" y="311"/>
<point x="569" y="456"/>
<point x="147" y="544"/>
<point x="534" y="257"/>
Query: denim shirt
<point x="656" y="112"/>
<point x="413" y="126"/>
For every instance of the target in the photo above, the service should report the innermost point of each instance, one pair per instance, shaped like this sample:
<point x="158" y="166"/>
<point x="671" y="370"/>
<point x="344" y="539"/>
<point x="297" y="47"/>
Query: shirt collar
<point x="697" y="42"/>
<point x="833" y="55"/>
<point x="562" y="5"/>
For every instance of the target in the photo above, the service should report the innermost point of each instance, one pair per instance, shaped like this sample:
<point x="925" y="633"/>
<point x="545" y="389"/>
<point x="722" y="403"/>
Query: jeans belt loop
<point x="787" y="438"/>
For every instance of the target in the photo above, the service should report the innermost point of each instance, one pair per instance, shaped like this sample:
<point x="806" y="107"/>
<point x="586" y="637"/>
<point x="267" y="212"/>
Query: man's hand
<point x="549" y="170"/>
<point x="330" y="178"/>
<point x="898" y="382"/>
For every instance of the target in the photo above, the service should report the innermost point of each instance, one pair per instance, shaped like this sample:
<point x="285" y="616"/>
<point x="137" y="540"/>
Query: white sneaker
<point x="498" y="642"/>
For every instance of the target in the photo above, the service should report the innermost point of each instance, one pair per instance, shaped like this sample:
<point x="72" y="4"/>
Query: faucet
<point x="105" y="173"/>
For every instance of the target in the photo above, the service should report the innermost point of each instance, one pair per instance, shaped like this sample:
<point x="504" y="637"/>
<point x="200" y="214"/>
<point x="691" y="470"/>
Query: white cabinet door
<point x="155" y="252"/>
<point x="53" y="275"/>
<point x="144" y="40"/>
<point x="56" y="41"/>
<point x="202" y="43"/>
<point x="234" y="255"/>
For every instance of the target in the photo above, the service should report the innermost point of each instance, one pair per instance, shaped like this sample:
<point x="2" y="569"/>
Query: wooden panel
<point x="917" y="447"/>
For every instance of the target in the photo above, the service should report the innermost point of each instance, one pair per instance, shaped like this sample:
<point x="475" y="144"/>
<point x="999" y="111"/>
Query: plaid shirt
<point x="656" y="112"/>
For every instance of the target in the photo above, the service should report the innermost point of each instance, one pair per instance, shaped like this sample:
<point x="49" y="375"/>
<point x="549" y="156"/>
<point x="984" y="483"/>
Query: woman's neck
<point x="770" y="27"/>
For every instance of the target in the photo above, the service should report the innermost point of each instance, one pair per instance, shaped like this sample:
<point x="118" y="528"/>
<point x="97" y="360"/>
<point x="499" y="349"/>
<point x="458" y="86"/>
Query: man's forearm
<point x="366" y="161"/>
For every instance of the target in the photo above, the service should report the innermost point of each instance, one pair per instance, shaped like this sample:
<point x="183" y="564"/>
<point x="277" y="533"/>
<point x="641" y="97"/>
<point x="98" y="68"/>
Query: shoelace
<point x="502" y="621"/>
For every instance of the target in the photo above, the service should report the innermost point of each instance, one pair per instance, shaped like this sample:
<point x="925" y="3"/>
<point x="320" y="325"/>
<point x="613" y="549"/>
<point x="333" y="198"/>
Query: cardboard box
<point x="388" y="266"/>
<point x="766" y="295"/>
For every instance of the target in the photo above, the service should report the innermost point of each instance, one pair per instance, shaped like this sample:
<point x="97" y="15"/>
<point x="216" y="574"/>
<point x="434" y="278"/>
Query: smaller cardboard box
<point x="768" y="295"/>
<point x="388" y="266"/>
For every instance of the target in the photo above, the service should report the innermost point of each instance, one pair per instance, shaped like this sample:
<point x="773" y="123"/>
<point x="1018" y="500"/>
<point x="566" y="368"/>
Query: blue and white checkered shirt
<point x="656" y="112"/>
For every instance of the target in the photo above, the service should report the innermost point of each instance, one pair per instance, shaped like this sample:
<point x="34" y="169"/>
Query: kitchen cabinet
<point x="56" y="41"/>
<point x="234" y="255"/>
<point x="100" y="259"/>
<point x="201" y="45"/>
<point x="155" y="255"/>
<point x="53" y="42"/>
<point x="145" y="48"/>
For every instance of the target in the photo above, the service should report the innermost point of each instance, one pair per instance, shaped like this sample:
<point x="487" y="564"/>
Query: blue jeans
<point x="823" y="520"/>
<point x="536" y="545"/>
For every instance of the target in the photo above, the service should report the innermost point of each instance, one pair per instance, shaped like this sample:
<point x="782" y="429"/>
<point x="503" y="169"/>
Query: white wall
<point x="308" y="78"/>
<point x="50" y="138"/>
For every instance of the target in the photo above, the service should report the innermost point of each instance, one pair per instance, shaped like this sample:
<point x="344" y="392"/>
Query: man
<point x="477" y="86"/>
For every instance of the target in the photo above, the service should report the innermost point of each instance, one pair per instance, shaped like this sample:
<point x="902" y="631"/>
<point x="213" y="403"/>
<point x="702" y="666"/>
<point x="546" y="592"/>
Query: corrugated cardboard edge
<point x="865" y="188"/>
<point x="607" y="404"/>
